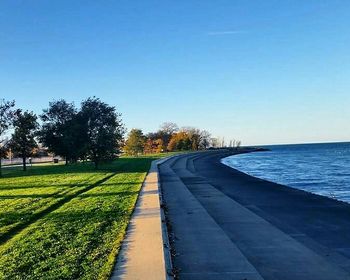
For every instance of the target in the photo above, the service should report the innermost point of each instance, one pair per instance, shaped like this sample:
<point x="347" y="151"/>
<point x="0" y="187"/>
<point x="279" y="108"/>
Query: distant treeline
<point x="168" y="138"/>
<point x="171" y="138"/>
<point x="94" y="132"/>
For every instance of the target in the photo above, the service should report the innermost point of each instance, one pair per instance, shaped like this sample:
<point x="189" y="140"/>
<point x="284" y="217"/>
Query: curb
<point x="166" y="242"/>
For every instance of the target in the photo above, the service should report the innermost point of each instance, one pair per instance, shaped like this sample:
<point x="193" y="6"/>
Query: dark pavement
<point x="228" y="225"/>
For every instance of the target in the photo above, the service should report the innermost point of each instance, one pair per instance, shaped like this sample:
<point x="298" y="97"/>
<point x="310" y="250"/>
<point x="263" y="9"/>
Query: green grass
<point x="66" y="222"/>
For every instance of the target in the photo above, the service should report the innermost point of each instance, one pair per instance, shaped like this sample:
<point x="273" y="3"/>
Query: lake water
<point x="323" y="169"/>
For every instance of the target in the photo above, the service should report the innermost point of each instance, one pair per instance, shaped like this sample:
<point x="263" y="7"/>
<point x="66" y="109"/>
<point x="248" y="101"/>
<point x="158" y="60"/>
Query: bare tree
<point x="233" y="143"/>
<point x="169" y="127"/>
<point x="166" y="131"/>
<point x="214" y="142"/>
<point x="238" y="144"/>
<point x="204" y="139"/>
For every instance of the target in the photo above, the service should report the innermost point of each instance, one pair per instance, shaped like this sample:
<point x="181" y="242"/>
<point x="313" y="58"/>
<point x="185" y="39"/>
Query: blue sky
<point x="264" y="72"/>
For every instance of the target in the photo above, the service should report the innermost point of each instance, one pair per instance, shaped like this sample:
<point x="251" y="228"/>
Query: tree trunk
<point x="0" y="167"/>
<point x="24" y="159"/>
<point x="66" y="161"/>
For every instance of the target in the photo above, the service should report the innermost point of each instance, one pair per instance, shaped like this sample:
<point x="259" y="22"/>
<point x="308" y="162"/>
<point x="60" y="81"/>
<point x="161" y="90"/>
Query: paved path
<point x="142" y="253"/>
<point x="228" y="225"/>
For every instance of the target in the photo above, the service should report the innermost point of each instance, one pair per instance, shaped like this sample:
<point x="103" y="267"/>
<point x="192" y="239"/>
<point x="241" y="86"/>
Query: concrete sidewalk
<point x="142" y="255"/>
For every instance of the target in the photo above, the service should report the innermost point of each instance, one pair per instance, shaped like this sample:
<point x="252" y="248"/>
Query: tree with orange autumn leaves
<point x="168" y="138"/>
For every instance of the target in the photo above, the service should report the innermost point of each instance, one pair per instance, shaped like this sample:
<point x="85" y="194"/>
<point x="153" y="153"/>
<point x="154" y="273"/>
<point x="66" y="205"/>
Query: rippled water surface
<point x="318" y="168"/>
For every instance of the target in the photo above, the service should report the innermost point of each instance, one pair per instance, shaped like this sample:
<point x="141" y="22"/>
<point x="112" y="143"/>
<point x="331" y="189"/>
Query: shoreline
<point x="276" y="183"/>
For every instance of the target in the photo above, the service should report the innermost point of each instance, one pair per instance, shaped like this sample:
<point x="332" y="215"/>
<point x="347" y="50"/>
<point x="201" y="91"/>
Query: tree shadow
<point x="58" y="186"/>
<point x="103" y="227"/>
<point x="52" y="207"/>
<point x="124" y="164"/>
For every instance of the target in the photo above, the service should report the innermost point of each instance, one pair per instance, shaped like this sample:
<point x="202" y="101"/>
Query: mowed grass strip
<point x="80" y="239"/>
<point x="25" y="195"/>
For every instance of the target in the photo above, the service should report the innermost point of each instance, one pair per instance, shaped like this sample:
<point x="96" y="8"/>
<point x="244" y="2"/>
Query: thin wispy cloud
<point x="226" y="32"/>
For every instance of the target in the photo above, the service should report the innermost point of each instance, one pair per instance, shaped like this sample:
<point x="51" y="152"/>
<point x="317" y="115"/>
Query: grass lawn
<point x="66" y="222"/>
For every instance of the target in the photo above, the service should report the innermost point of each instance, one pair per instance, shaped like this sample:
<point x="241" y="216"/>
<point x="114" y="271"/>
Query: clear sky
<point x="260" y="71"/>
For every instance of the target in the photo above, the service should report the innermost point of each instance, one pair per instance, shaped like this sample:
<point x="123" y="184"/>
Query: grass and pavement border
<point x="145" y="251"/>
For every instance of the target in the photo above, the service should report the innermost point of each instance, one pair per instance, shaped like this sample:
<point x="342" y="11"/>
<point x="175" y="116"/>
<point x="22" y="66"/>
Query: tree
<point x="23" y="139"/>
<point x="158" y="146"/>
<point x="195" y="137"/>
<point x="76" y="138"/>
<point x="169" y="127"/>
<point x="104" y="130"/>
<point x="180" y="141"/>
<point x="60" y="130"/>
<point x="238" y="144"/>
<point x="214" y="142"/>
<point x="166" y="131"/>
<point x="135" y="143"/>
<point x="172" y="146"/>
<point x="6" y="115"/>
<point x="204" y="139"/>
<point x="148" y="148"/>
<point x="200" y="139"/>
<point x="153" y="145"/>
<point x="189" y="138"/>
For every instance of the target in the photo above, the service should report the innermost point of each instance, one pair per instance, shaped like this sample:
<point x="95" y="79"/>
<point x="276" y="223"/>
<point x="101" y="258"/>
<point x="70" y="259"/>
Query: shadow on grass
<point x="36" y="216"/>
<point x="124" y="164"/>
<point x="62" y="195"/>
<point x="58" y="186"/>
<point x="102" y="227"/>
<point x="14" y="217"/>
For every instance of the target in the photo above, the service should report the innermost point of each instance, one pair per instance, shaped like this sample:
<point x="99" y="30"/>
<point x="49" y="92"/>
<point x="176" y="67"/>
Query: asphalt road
<point x="228" y="225"/>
